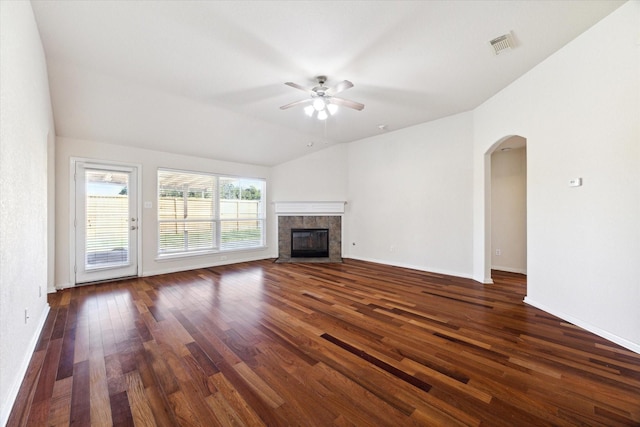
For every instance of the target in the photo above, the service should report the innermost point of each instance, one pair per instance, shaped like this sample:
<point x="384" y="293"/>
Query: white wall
<point x="318" y="176"/>
<point x="26" y="122"/>
<point x="580" y="113"/>
<point x="509" y="210"/>
<point x="410" y="197"/>
<point x="150" y="161"/>
<point x="408" y="193"/>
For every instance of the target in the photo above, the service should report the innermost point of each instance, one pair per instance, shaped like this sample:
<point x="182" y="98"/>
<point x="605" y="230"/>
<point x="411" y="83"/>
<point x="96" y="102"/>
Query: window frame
<point x="217" y="220"/>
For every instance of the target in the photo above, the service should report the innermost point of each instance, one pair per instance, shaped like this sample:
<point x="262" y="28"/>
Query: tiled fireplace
<point x="295" y="217"/>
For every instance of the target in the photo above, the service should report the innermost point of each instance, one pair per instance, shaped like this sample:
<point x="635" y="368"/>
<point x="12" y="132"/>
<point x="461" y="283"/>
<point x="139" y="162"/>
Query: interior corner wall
<point x="27" y="123"/>
<point x="580" y="113"/>
<point x="509" y="210"/>
<point x="149" y="162"/>
<point x="410" y="197"/>
<point x="320" y="176"/>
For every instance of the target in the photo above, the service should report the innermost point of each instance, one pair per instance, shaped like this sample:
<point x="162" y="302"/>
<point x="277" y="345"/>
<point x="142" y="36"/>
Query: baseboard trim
<point x="413" y="267"/>
<point x="204" y="265"/>
<point x="15" y="388"/>
<point x="170" y="270"/>
<point x="510" y="269"/>
<point x="586" y="326"/>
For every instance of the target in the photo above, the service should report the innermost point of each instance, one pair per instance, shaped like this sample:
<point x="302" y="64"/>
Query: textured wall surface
<point x="27" y="123"/>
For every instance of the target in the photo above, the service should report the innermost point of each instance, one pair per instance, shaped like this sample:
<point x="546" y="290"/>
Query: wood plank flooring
<point x="351" y="344"/>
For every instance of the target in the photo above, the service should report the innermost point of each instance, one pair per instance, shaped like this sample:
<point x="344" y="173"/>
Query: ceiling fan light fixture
<point x="309" y="110"/>
<point x="319" y="104"/>
<point x="323" y="102"/>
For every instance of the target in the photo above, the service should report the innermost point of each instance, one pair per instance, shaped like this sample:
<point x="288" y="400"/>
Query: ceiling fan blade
<point x="346" y="103"/>
<point x="296" y="103"/>
<point x="343" y="85"/>
<point x="297" y="86"/>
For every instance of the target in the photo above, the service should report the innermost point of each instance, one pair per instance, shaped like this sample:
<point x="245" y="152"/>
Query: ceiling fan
<point x="322" y="102"/>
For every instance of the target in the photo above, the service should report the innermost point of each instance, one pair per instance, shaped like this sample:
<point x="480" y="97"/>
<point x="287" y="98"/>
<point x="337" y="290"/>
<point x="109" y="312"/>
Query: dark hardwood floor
<point x="318" y="345"/>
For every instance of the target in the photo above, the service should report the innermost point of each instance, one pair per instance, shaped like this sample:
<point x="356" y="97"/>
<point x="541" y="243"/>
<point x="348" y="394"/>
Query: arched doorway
<point x="505" y="207"/>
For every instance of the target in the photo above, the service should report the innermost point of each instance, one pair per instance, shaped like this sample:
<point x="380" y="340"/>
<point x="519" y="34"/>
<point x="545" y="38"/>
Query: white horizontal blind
<point x="186" y="212"/>
<point x="241" y="213"/>
<point x="199" y="212"/>
<point x="107" y="218"/>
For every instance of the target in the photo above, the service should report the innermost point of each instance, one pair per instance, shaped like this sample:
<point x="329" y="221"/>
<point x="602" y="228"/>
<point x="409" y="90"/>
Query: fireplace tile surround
<point x="331" y="222"/>
<point x="309" y="214"/>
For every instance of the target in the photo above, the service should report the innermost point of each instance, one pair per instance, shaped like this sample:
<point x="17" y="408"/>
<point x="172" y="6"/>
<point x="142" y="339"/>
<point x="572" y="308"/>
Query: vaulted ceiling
<point x="206" y="78"/>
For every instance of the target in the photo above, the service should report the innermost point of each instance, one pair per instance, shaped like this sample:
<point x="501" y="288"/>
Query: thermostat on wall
<point x="575" y="182"/>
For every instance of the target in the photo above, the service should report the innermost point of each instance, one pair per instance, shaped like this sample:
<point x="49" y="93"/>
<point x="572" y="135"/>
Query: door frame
<point x="72" y="209"/>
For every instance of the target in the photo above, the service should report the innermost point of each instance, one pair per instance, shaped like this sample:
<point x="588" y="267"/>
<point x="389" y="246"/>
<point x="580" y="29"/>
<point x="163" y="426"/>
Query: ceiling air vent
<point x="502" y="44"/>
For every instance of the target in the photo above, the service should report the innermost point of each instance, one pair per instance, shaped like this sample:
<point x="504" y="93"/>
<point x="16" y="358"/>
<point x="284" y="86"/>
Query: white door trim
<point x="72" y="209"/>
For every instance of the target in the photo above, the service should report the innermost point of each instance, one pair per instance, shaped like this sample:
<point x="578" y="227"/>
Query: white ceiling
<point x="206" y="78"/>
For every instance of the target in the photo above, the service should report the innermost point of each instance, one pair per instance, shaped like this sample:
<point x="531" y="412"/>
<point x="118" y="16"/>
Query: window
<point x="202" y="212"/>
<point x="241" y="213"/>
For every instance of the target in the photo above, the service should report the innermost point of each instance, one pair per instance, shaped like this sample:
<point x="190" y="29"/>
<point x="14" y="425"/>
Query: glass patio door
<point x="106" y="223"/>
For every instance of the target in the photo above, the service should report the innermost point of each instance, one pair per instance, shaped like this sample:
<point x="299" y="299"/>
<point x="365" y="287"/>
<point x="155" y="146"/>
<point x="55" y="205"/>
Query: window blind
<point x="186" y="211"/>
<point x="207" y="212"/>
<point x="107" y="218"/>
<point x="241" y="213"/>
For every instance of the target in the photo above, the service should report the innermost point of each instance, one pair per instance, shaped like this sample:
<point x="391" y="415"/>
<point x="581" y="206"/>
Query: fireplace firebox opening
<point x="309" y="242"/>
